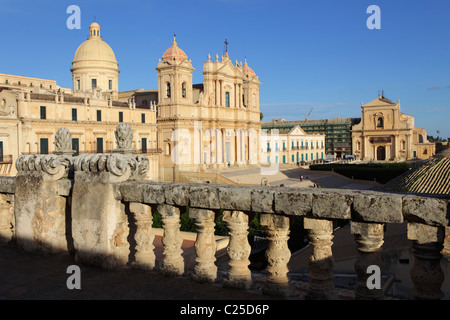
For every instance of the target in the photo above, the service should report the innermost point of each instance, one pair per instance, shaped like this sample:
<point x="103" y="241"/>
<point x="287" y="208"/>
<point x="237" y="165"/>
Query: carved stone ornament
<point x="50" y="166"/>
<point x="122" y="167"/>
<point x="63" y="140"/>
<point x="124" y="136"/>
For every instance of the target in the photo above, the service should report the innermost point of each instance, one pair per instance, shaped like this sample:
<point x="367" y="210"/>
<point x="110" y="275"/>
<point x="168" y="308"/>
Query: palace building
<point x="180" y="126"/>
<point x="386" y="134"/>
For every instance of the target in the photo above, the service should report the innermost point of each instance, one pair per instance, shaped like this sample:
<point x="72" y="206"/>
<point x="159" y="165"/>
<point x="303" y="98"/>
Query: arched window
<point x="380" y="122"/>
<point x="183" y="90"/>
<point x="420" y="138"/>
<point x="168" y="90"/>
<point x="425" y="151"/>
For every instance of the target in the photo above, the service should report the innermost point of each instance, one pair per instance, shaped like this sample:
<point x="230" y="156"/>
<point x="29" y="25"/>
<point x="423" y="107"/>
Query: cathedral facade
<point x="386" y="134"/>
<point x="180" y="126"/>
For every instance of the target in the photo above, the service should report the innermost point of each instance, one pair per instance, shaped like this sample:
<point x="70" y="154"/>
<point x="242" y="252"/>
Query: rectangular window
<point x="76" y="146"/>
<point x="99" y="115"/>
<point x="227" y="99"/>
<point x="120" y="116"/>
<point x="43" y="112"/>
<point x="43" y="146"/>
<point x="99" y="145"/>
<point x="144" y="145"/>
<point x="94" y="83"/>
<point x="1" y="151"/>
<point x="143" y="117"/>
<point x="74" y="114"/>
<point x="110" y="84"/>
<point x="78" y="84"/>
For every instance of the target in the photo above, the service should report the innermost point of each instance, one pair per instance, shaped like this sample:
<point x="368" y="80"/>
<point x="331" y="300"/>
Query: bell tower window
<point x="183" y="90"/>
<point x="168" y="90"/>
<point x="380" y="122"/>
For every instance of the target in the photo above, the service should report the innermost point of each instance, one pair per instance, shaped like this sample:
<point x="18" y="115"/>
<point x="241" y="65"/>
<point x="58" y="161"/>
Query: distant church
<point x="386" y="134"/>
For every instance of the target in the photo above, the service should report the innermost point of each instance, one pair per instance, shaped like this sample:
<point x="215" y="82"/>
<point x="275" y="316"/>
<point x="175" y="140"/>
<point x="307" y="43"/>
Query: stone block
<point x="377" y="207"/>
<point x="293" y="202"/>
<point x="132" y="191"/>
<point x="177" y="194"/>
<point x="204" y="197"/>
<point x="262" y="199"/>
<point x="423" y="233"/>
<point x="332" y="204"/>
<point x="154" y="193"/>
<point x="235" y="198"/>
<point x="432" y="211"/>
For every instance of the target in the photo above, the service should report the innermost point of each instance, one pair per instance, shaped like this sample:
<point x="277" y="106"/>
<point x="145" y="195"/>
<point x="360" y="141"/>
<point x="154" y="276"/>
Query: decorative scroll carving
<point x="52" y="167"/>
<point x="125" y="167"/>
<point x="63" y="140"/>
<point x="124" y="136"/>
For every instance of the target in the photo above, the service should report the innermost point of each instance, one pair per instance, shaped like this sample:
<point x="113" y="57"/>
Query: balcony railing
<point x="368" y="214"/>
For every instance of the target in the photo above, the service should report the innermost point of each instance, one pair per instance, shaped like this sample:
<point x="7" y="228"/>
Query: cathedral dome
<point x="174" y="53"/>
<point x="95" y="49"/>
<point x="247" y="71"/>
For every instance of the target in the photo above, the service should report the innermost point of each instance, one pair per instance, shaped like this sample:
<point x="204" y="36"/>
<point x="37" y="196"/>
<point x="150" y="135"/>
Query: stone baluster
<point x="205" y="269"/>
<point x="320" y="233"/>
<point x="239" y="275"/>
<point x="426" y="272"/>
<point x="369" y="239"/>
<point x="173" y="262"/>
<point x="144" y="236"/>
<point x="277" y="254"/>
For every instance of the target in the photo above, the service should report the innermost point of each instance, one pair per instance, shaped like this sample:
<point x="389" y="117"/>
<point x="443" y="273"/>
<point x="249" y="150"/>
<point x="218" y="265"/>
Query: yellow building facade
<point x="33" y="109"/>
<point x="386" y="134"/>
<point x="180" y="126"/>
<point x="209" y="125"/>
<point x="293" y="146"/>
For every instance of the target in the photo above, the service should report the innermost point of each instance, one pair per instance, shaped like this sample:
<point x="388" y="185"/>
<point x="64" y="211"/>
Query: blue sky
<point x="308" y="54"/>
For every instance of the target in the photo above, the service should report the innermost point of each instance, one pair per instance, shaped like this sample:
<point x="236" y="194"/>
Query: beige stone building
<point x="33" y="109"/>
<point x="208" y="125"/>
<point x="292" y="146"/>
<point x="180" y="126"/>
<point x="386" y="134"/>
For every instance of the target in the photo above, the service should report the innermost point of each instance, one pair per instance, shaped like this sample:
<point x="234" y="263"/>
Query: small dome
<point x="94" y="48"/>
<point x="174" y="53"/>
<point x="247" y="71"/>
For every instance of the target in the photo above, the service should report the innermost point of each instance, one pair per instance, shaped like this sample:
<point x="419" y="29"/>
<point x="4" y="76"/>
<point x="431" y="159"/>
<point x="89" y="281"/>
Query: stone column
<point x="173" y="262"/>
<point x="205" y="269"/>
<point x="426" y="272"/>
<point x="144" y="236"/>
<point x="320" y="233"/>
<point x="239" y="275"/>
<point x="277" y="254"/>
<point x="369" y="239"/>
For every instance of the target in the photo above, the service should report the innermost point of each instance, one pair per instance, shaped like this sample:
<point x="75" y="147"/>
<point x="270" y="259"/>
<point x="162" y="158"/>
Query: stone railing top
<point x="364" y="206"/>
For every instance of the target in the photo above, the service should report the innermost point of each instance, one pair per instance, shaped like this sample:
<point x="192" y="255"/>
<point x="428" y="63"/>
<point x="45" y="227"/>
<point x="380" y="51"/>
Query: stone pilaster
<point x="239" y="275"/>
<point x="205" y="269"/>
<point x="144" y="236"/>
<point x="173" y="262"/>
<point x="277" y="254"/>
<point x="426" y="272"/>
<point x="369" y="239"/>
<point x="320" y="233"/>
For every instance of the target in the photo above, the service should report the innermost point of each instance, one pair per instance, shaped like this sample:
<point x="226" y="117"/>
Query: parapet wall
<point x="100" y="208"/>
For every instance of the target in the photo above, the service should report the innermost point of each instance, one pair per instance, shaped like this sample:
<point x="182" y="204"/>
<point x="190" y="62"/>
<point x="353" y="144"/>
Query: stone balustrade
<point x="100" y="228"/>
<point x="103" y="213"/>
